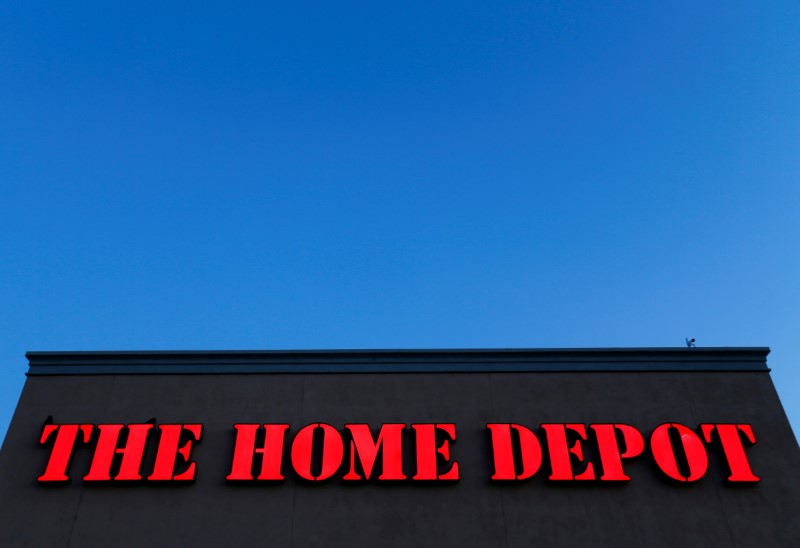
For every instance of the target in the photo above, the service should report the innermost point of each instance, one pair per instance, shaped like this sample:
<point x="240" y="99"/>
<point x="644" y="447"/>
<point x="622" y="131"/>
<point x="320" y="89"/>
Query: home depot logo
<point x="263" y="453"/>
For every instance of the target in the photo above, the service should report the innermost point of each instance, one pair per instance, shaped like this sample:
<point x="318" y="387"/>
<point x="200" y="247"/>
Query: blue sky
<point x="360" y="175"/>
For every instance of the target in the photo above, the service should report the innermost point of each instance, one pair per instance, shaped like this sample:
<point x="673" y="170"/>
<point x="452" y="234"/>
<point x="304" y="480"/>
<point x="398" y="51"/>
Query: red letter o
<point x="693" y="450"/>
<point x="332" y="451"/>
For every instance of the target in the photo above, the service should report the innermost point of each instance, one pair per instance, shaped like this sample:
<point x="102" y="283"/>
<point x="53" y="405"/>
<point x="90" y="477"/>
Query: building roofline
<point x="398" y="361"/>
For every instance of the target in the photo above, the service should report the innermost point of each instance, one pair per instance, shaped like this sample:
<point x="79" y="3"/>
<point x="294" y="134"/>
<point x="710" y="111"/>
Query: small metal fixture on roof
<point x="690" y="343"/>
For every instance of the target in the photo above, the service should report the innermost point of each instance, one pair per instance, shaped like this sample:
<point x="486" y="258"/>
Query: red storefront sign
<point x="319" y="452"/>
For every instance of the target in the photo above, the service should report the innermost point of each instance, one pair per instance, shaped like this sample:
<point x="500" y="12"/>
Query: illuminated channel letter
<point x="730" y="438"/>
<point x="503" y="452"/>
<point x="332" y="451"/>
<point x="106" y="450"/>
<point x="390" y="443"/>
<point x="428" y="452"/>
<point x="691" y="449"/>
<point x="560" y="452"/>
<point x="610" y="454"/>
<point x="61" y="454"/>
<point x="245" y="449"/>
<point x="168" y="451"/>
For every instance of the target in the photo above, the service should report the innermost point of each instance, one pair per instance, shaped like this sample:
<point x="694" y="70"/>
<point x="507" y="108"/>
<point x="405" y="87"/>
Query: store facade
<point x="601" y="447"/>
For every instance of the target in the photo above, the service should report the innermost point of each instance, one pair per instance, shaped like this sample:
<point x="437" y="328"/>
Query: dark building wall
<point x="472" y="512"/>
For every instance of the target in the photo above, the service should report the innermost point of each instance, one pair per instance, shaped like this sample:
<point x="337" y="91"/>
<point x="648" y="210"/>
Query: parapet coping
<point x="507" y="360"/>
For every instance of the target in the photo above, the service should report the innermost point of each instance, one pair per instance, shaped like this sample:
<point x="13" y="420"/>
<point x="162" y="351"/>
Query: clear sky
<point x="253" y="175"/>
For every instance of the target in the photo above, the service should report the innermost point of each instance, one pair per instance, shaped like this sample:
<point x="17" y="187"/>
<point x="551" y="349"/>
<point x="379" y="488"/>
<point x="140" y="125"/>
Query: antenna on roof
<point x="690" y="343"/>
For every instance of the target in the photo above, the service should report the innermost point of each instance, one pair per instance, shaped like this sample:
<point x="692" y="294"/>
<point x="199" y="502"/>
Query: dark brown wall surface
<point x="472" y="512"/>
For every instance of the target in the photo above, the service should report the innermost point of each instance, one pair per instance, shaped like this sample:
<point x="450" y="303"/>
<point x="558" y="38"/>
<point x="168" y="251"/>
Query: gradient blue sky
<point x="418" y="174"/>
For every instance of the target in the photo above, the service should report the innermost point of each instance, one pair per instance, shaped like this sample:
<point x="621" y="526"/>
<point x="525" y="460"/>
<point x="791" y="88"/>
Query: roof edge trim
<point x="397" y="361"/>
